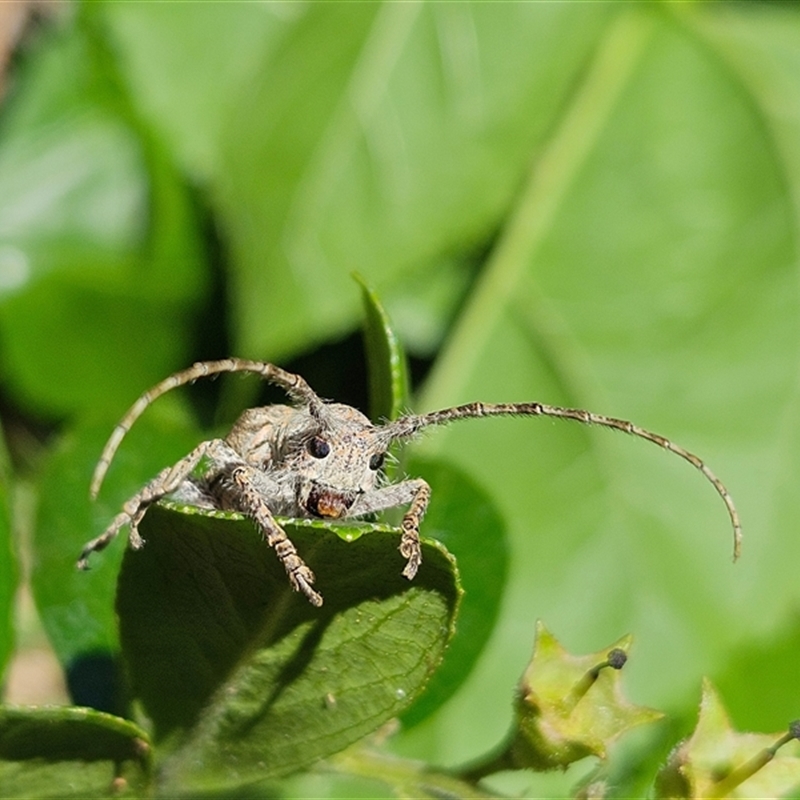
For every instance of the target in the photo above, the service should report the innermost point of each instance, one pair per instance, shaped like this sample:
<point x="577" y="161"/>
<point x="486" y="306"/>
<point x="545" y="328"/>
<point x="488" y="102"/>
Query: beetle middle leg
<point x="166" y="482"/>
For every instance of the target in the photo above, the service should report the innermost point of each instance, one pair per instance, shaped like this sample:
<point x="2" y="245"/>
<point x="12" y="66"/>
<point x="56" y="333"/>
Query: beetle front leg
<point x="416" y="493"/>
<point x="239" y="492"/>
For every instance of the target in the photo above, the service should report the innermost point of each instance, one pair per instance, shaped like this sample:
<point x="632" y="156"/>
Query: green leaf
<point x="64" y="733"/>
<point x="758" y="680"/>
<point x="647" y="272"/>
<point x="386" y="360"/>
<point x="47" y="752"/>
<point x="98" y="245"/>
<point x="219" y="648"/>
<point x="223" y="43"/>
<point x="370" y="136"/>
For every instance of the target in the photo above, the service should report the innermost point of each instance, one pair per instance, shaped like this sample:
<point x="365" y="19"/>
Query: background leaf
<point x="97" y="238"/>
<point x="8" y="561"/>
<point x="660" y="289"/>
<point x="356" y="184"/>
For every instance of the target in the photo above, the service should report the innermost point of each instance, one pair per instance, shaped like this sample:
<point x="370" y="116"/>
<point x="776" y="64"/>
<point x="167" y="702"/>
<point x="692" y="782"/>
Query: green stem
<point x="616" y="660"/>
<point x="550" y="179"/>
<point x="724" y="787"/>
<point x="408" y="779"/>
<point x="495" y="761"/>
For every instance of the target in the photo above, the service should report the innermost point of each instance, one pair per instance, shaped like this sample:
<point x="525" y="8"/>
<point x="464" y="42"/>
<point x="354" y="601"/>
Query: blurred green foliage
<point x="587" y="204"/>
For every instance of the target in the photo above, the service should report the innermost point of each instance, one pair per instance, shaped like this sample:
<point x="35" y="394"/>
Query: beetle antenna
<point x="407" y="426"/>
<point x="294" y="385"/>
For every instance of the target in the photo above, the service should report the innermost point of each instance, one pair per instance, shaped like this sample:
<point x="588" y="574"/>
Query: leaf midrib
<point x="550" y="178"/>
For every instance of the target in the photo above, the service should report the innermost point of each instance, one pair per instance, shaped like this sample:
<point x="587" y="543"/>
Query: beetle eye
<point x="376" y="461"/>
<point x="318" y="448"/>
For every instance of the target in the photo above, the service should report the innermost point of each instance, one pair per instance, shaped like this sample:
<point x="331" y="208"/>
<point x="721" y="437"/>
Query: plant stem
<point x="724" y="787"/>
<point x="494" y="761"/>
<point x="616" y="659"/>
<point x="408" y="779"/>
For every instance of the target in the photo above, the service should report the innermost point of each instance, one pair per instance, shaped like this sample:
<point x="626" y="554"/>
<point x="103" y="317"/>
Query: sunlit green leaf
<point x="647" y="272"/>
<point x="359" y="185"/>
<point x="223" y="42"/>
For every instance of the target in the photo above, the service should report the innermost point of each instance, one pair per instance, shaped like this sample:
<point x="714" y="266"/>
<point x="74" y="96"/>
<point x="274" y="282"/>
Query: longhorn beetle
<point x="314" y="459"/>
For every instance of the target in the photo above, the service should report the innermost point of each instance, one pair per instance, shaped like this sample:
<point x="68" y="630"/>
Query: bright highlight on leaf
<point x="718" y="762"/>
